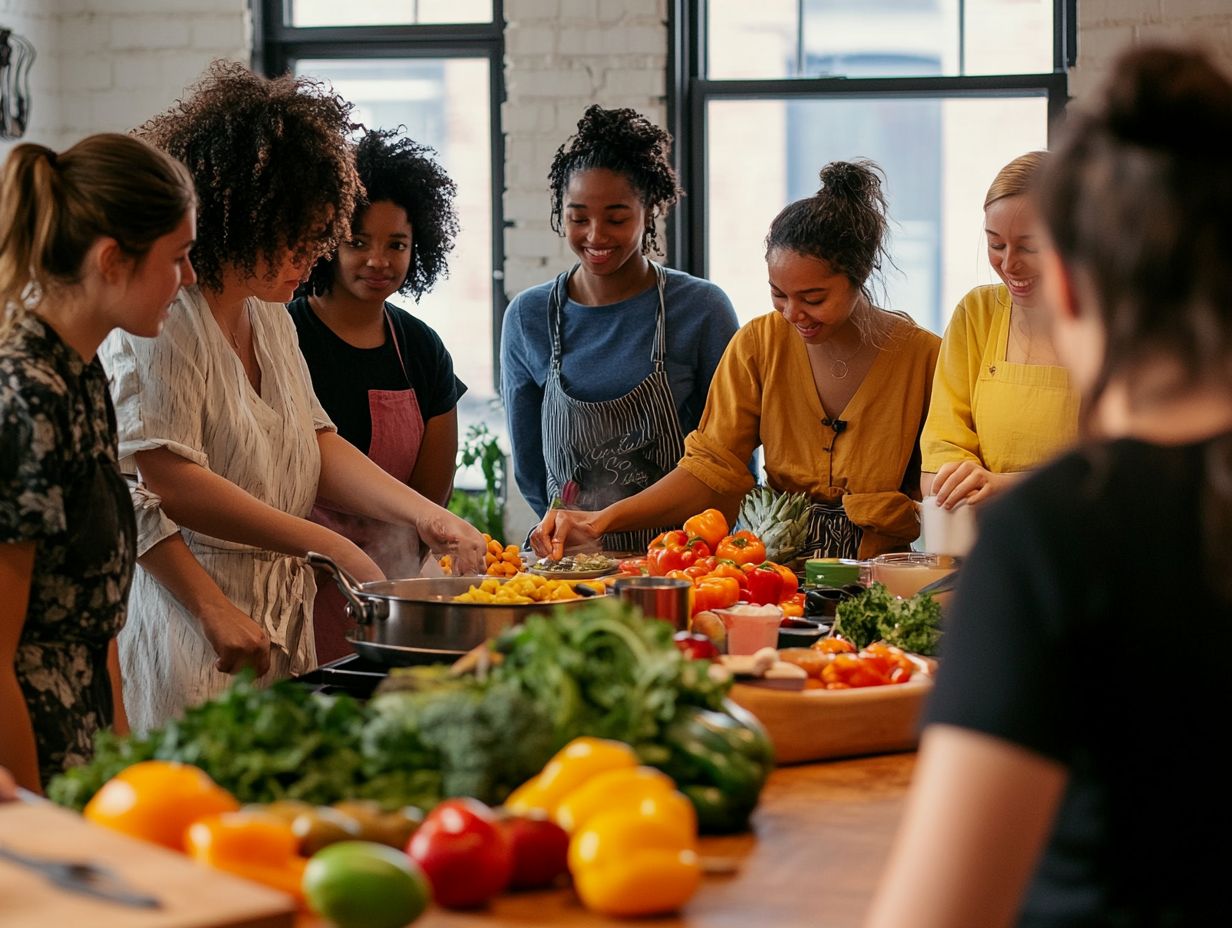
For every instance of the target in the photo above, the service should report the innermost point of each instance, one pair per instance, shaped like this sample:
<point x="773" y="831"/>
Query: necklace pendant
<point x="838" y="369"/>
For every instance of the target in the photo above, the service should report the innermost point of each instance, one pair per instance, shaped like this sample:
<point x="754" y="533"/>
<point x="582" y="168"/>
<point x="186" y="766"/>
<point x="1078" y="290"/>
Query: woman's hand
<point x="445" y="533"/>
<point x="238" y="641"/>
<point x="960" y="481"/>
<point x="566" y="530"/>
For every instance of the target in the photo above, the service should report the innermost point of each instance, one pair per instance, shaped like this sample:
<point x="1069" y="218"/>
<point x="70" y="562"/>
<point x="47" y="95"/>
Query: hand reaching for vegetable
<point x="565" y="531"/>
<point x="445" y="533"/>
<point x="960" y="481"/>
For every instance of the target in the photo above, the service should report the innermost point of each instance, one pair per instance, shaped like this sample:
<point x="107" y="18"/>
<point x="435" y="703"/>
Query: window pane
<point x="939" y="156"/>
<point x="435" y="99"/>
<point x="388" y="12"/>
<point x="878" y="38"/>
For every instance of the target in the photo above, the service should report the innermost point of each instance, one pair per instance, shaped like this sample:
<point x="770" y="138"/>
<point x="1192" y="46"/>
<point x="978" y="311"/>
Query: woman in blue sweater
<point x="605" y="369"/>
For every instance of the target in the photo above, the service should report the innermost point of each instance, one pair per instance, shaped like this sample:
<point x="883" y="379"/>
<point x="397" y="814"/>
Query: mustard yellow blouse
<point x="763" y="394"/>
<point x="1006" y="417"/>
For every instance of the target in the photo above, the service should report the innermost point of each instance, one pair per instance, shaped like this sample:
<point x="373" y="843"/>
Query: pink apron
<point x="397" y="433"/>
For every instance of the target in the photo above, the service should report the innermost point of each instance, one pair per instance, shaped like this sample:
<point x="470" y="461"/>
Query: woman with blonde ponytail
<point x="92" y="239"/>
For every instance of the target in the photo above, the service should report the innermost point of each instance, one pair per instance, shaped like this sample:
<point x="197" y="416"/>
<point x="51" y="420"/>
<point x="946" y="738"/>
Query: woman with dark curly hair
<point x="383" y="376"/>
<point x="605" y="369"/>
<point x="218" y="414"/>
<point x="852" y="442"/>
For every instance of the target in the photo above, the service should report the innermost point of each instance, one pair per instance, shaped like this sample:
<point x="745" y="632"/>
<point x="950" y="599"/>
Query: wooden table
<point x="821" y="836"/>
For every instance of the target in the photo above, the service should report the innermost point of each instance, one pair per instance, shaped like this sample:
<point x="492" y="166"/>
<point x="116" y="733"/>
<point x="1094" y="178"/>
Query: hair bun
<point x="1167" y="99"/>
<point x="853" y="179"/>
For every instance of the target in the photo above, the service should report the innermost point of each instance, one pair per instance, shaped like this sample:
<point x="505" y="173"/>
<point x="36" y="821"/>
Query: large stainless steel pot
<point x="404" y="622"/>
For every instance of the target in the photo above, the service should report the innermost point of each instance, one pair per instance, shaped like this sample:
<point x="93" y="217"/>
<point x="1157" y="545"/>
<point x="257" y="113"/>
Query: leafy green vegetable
<point x="605" y="671"/>
<point x="911" y="624"/>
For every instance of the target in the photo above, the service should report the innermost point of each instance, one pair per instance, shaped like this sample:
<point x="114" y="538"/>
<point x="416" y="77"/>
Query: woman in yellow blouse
<point x="1001" y="401"/>
<point x="833" y="388"/>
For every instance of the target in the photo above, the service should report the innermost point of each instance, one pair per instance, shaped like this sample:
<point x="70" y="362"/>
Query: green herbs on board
<point x="877" y="615"/>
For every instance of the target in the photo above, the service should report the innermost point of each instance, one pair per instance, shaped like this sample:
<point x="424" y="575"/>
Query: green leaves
<point x="876" y="615"/>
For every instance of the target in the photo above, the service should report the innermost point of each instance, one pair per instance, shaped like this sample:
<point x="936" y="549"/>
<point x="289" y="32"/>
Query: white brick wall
<point x="1106" y="27"/>
<point x="561" y="56"/>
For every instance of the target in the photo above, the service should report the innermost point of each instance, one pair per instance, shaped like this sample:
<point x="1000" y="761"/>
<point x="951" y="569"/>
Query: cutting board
<point x="192" y="896"/>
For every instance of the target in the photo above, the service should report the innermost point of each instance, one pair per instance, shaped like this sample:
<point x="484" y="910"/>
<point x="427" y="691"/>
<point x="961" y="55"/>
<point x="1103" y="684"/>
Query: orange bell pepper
<point x="710" y="526"/>
<point x="795" y="610"/>
<point x="714" y="592"/>
<point x="742" y="547"/>
<point x="255" y="845"/>
<point x="156" y="800"/>
<point x="677" y="551"/>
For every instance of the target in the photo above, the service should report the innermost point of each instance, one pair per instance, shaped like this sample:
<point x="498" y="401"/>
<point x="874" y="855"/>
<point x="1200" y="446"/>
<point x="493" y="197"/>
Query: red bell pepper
<point x="765" y="584"/>
<point x="743" y="548"/>
<point x="633" y="567"/>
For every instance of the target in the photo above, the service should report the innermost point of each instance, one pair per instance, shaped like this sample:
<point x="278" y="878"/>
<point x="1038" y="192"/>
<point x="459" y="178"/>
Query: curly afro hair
<point x="406" y="174"/>
<point x="272" y="166"/>
<point x="623" y="141"/>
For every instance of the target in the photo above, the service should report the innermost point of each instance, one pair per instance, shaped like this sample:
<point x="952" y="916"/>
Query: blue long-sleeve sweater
<point x="607" y="352"/>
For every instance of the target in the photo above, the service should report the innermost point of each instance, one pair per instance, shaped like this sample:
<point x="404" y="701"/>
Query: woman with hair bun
<point x="1002" y="403"/>
<point x="1068" y="772"/>
<point x="833" y="388"/>
<point x="91" y="239"/>
<point x="605" y="369"/>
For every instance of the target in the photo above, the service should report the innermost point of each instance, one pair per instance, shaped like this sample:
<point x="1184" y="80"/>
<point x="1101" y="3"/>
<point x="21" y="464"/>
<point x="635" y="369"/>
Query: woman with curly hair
<point x="218" y="415"/>
<point x="383" y="376"/>
<point x="605" y="369"/>
<point x="852" y="442"/>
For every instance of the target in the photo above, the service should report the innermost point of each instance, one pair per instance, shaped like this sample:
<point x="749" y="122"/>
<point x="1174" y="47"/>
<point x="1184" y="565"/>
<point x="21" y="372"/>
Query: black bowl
<point x="801" y="633"/>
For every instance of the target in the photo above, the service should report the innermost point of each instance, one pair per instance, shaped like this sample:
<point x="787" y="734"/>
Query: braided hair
<point x="627" y="143"/>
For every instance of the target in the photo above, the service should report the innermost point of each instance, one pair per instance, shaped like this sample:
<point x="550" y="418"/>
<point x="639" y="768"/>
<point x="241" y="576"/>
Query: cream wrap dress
<point x="186" y="390"/>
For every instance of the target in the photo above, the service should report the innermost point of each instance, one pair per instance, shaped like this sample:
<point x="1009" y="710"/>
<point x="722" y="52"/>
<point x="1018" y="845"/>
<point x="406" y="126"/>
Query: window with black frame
<point x="433" y="67"/>
<point x="940" y="93"/>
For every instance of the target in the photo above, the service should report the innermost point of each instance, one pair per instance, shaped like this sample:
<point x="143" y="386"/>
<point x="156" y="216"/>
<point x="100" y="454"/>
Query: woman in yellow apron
<point x="1001" y="401"/>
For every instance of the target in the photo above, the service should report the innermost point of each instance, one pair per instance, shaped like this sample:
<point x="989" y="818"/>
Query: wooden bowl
<point x="820" y="724"/>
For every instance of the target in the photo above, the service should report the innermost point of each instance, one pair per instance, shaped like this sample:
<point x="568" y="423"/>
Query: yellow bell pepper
<point x="573" y="765"/>
<point x="633" y="865"/>
<point x="255" y="845"/>
<point x="627" y="789"/>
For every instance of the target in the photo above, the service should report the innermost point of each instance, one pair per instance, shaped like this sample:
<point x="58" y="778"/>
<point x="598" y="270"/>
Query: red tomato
<point x="540" y="850"/>
<point x="464" y="853"/>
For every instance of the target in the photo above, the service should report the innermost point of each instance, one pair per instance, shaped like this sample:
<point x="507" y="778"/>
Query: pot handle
<point x="362" y="612"/>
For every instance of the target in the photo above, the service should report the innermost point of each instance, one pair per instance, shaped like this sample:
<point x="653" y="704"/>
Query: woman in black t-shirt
<point x="384" y="377"/>
<point x="91" y="239"/>
<point x="1068" y="772"/>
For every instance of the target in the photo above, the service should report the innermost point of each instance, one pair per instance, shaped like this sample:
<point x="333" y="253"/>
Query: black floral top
<point x="61" y="487"/>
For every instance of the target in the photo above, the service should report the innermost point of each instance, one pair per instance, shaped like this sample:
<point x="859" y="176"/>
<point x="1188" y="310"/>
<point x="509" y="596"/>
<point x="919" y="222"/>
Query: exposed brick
<point x="144" y="32"/>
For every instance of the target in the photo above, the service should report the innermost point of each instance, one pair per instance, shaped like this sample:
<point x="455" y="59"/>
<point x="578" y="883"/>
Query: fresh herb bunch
<point x="876" y="615"/>
<point x="606" y="671"/>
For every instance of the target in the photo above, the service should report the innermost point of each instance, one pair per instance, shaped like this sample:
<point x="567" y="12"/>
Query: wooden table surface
<point x="820" y="838"/>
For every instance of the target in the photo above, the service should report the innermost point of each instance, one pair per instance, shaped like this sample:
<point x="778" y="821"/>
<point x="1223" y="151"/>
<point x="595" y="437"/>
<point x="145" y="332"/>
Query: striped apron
<point x="598" y="453"/>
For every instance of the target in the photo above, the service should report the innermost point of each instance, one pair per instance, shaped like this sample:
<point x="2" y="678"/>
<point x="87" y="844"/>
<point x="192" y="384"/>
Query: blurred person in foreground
<point x="1064" y="775"/>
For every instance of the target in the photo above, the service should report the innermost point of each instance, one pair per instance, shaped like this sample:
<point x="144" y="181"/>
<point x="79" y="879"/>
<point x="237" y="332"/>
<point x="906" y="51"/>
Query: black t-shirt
<point x="1082" y="629"/>
<point x="342" y="374"/>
